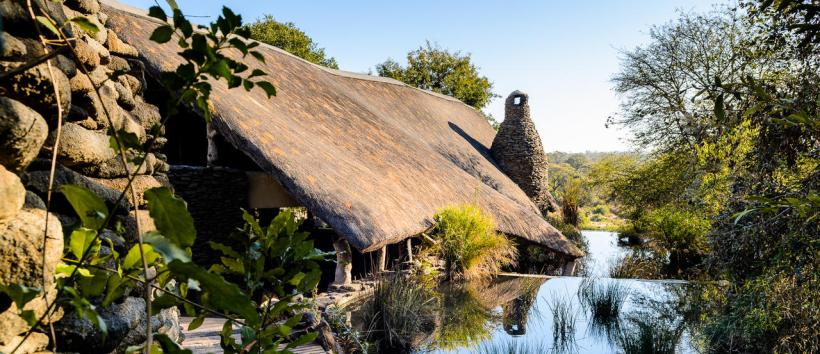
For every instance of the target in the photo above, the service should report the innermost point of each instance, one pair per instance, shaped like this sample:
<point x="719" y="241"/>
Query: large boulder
<point x="117" y="46"/>
<point x="114" y="168"/>
<point x="36" y="179"/>
<point x="21" y="262"/>
<point x="80" y="146"/>
<point x="13" y="48"/>
<point x="35" y="88"/>
<point x="12" y="192"/>
<point x="518" y="152"/>
<point x="126" y="323"/>
<point x="90" y="7"/>
<point x="22" y="133"/>
<point x="141" y="183"/>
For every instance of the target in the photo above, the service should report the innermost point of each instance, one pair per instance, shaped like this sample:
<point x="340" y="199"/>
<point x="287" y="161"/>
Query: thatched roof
<point x="372" y="157"/>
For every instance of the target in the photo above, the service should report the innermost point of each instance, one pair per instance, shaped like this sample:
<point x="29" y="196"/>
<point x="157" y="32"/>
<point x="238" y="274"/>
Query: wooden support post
<point x="381" y="259"/>
<point x="213" y="154"/>
<point x="344" y="262"/>
<point x="410" y="249"/>
<point x="569" y="268"/>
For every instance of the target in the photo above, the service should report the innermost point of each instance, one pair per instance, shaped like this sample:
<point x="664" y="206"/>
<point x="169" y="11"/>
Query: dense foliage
<point x="451" y="73"/>
<point x="726" y="106"/>
<point x="291" y="39"/>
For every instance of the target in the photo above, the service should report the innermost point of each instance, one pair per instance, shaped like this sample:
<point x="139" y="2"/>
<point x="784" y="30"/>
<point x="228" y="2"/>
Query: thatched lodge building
<point x="371" y="157"/>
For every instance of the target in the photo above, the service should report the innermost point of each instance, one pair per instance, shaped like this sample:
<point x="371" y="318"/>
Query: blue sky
<point x="562" y="53"/>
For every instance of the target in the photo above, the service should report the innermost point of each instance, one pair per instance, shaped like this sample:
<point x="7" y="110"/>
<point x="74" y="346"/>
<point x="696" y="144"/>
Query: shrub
<point x="398" y="313"/>
<point x="469" y="244"/>
<point x="680" y="235"/>
<point x="571" y="232"/>
<point x="637" y="264"/>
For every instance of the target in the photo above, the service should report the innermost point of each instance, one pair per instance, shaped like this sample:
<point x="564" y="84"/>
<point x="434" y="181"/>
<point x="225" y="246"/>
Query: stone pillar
<point x="344" y="262"/>
<point x="381" y="259"/>
<point x="518" y="152"/>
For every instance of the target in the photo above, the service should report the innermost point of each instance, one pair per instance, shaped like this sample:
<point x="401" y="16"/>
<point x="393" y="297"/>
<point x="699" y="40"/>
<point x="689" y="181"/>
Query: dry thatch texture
<point x="372" y="157"/>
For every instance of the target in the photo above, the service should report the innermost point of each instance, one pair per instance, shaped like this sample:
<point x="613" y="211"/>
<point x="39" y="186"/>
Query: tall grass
<point x="400" y="315"/>
<point x="563" y="325"/>
<point x="469" y="244"/>
<point x="511" y="347"/>
<point x="603" y="301"/>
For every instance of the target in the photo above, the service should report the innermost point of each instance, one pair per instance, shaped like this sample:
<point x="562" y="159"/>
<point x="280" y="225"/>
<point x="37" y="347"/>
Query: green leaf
<point x="226" y="250"/>
<point x="223" y="295"/>
<point x="162" y="34"/>
<point x="256" y="72"/>
<point x="133" y="259"/>
<point x="196" y="322"/>
<point x="80" y="241"/>
<point x="233" y="264"/>
<point x="303" y="339"/>
<point x="158" y="13"/>
<point x="20" y="294"/>
<point x="258" y="56"/>
<point x="90" y="208"/>
<point x="129" y="140"/>
<point x="85" y="24"/>
<point x="239" y="44"/>
<point x="169" y="346"/>
<point x="63" y="270"/>
<point x="48" y="25"/>
<point x="171" y="216"/>
<point x="168" y="250"/>
<point x="268" y="87"/>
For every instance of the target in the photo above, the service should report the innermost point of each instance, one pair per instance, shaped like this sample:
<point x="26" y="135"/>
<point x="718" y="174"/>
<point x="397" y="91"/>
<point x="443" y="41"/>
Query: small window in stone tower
<point x="517" y="100"/>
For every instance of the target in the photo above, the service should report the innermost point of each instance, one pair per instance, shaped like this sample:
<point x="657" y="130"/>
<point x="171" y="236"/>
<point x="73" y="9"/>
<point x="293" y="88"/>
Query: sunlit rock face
<point x="518" y="151"/>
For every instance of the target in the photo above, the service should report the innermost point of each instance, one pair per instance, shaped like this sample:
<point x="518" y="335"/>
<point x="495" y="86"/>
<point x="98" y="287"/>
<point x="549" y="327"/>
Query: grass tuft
<point x="469" y="243"/>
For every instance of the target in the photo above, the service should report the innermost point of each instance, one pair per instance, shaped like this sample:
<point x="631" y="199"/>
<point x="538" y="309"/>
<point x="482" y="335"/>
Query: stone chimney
<point x="518" y="151"/>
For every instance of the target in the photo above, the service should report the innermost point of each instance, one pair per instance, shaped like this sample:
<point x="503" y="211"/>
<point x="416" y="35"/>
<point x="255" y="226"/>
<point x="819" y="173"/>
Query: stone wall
<point x="98" y="89"/>
<point x="518" y="151"/>
<point x="215" y="197"/>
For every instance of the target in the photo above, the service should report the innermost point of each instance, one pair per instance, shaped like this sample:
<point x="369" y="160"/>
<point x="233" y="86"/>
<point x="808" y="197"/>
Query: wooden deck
<point x="205" y="339"/>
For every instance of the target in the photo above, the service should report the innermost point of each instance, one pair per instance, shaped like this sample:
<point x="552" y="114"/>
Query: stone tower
<point x="518" y="151"/>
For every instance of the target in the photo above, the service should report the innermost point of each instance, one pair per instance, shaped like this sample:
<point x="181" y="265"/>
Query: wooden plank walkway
<point x="205" y="339"/>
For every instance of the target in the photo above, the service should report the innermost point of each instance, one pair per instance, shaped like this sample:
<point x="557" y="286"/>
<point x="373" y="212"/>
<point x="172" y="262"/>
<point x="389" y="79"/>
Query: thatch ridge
<point x="372" y="157"/>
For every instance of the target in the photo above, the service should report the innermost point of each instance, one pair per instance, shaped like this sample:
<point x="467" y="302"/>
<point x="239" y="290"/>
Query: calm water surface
<point x="518" y="310"/>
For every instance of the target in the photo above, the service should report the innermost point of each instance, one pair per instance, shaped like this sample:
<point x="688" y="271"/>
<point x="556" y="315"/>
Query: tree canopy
<point x="439" y="70"/>
<point x="290" y="38"/>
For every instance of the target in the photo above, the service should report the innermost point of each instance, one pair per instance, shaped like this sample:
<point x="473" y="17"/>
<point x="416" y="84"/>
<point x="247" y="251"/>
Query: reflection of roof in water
<point x="372" y="157"/>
